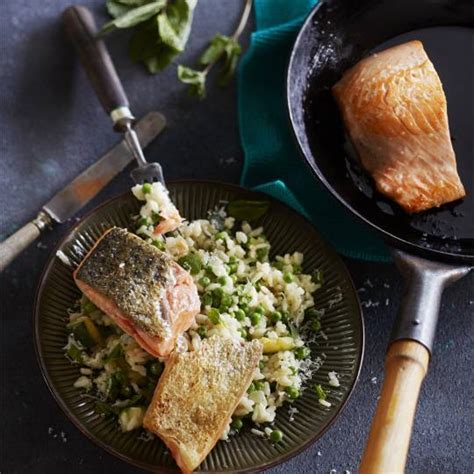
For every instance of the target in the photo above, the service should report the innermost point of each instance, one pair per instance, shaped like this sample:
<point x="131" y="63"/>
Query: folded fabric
<point x="272" y="161"/>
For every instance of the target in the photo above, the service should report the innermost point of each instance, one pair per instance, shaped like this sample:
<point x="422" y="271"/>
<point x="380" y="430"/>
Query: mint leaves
<point x="161" y="32"/>
<point x="195" y="79"/>
<point x="133" y="16"/>
<point x="162" y="28"/>
<point x="220" y="48"/>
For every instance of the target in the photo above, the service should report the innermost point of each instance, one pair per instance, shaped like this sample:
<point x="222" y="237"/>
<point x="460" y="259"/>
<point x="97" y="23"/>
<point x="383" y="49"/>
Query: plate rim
<point x="146" y="466"/>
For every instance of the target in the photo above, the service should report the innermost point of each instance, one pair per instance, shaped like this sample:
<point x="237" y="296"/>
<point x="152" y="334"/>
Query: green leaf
<point x="175" y="22"/>
<point x="247" y="210"/>
<point x="195" y="79"/>
<point x="232" y="52"/>
<point x="144" y="41"/>
<point x="134" y="3"/>
<point x="320" y="392"/>
<point x="134" y="17"/>
<point x="214" y="50"/>
<point x="116" y="8"/>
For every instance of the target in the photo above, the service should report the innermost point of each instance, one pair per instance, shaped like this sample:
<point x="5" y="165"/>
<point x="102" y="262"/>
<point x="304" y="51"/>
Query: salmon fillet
<point x="147" y="294"/>
<point x="197" y="395"/>
<point x="395" y="112"/>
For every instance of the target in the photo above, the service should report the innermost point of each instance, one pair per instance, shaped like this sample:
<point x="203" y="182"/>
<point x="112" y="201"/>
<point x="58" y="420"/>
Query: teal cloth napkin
<point x="272" y="164"/>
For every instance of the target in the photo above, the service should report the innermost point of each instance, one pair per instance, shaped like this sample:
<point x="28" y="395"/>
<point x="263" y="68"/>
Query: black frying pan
<point x="432" y="249"/>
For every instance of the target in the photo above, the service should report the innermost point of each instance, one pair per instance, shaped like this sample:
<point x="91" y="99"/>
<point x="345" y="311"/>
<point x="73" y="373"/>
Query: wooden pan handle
<point x="386" y="452"/>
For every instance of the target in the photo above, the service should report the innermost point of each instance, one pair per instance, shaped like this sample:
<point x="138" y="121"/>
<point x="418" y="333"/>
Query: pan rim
<point x="146" y="466"/>
<point x="389" y="238"/>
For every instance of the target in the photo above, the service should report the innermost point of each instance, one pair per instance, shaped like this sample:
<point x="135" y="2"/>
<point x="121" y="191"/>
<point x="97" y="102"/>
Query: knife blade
<point x="82" y="189"/>
<point x="69" y="200"/>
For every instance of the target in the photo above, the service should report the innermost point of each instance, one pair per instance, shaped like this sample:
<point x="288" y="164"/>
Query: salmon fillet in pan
<point x="395" y="112"/>
<point x="147" y="294"/>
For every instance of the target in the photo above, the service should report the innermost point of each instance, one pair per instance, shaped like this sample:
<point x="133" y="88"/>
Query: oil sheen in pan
<point x="451" y="58"/>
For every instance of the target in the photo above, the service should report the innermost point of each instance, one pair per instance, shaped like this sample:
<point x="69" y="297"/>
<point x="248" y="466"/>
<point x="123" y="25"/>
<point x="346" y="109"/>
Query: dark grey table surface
<point x="52" y="127"/>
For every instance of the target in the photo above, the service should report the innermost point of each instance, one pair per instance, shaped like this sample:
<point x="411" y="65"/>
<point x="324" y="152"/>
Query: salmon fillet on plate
<point x="394" y="109"/>
<point x="148" y="295"/>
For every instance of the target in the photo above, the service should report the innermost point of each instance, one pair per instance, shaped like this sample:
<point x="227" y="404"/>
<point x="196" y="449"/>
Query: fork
<point x="83" y="33"/>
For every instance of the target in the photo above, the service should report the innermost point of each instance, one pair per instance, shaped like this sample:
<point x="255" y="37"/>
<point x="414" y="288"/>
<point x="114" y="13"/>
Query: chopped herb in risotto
<point x="244" y="294"/>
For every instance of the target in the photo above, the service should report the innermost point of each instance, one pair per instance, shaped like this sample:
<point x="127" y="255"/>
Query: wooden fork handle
<point x="386" y="452"/>
<point x="83" y="33"/>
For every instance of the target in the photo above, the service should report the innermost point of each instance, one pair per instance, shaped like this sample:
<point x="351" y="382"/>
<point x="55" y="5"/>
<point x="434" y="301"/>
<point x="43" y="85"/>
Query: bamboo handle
<point x="386" y="452"/>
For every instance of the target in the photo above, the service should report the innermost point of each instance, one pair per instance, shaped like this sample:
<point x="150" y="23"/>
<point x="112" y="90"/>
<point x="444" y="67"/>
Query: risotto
<point x="244" y="294"/>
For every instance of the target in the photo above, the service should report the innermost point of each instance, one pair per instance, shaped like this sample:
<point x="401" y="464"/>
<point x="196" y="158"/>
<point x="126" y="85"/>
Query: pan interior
<point x="335" y="37"/>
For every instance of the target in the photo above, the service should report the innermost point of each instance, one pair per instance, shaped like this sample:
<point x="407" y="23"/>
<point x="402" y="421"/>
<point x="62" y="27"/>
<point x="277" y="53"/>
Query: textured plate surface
<point x="287" y="232"/>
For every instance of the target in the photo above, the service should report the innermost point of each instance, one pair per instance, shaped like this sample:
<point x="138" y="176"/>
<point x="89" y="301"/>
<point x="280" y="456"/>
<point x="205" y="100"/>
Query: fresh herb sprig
<point x="161" y="32"/>
<point x="221" y="49"/>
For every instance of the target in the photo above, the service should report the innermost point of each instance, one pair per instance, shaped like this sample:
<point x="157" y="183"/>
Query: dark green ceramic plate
<point x="287" y="232"/>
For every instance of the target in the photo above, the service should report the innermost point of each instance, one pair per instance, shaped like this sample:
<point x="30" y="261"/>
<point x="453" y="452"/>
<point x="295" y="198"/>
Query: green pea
<point x="222" y="280"/>
<point x="126" y="391"/>
<point x="232" y="259"/>
<point x="276" y="436"/>
<point x="302" y="353"/>
<point x="234" y="278"/>
<point x="258" y="385"/>
<point x="226" y="302"/>
<point x="260" y="309"/>
<point x="159" y="244"/>
<point x="275" y="316"/>
<point x="147" y="188"/>
<point x="202" y="331"/>
<point x="243" y="332"/>
<point x="214" y="316"/>
<point x="255" y="318"/>
<point x="261" y="365"/>
<point x="221" y="235"/>
<point x="312" y="313"/>
<point x="251" y="388"/>
<point x="207" y="299"/>
<point x="205" y="281"/>
<point x="233" y="267"/>
<point x="191" y="262"/>
<point x="218" y="292"/>
<point x="239" y="314"/>
<point x="244" y="306"/>
<point x="288" y="277"/>
<point x="156" y="368"/>
<point x="143" y="221"/>
<point x="292" y="392"/>
<point x="88" y="306"/>
<point x="315" y="325"/>
<point x="237" y="424"/>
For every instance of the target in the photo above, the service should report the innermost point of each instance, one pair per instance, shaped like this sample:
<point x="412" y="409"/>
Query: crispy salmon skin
<point x="197" y="394"/>
<point x="146" y="293"/>
<point x="394" y="109"/>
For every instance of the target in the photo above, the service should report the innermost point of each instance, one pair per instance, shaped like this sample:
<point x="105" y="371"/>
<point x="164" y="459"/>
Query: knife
<point x="67" y="202"/>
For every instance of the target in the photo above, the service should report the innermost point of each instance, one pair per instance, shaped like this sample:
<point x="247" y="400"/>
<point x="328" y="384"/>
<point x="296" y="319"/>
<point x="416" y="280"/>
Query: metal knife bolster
<point x="81" y="190"/>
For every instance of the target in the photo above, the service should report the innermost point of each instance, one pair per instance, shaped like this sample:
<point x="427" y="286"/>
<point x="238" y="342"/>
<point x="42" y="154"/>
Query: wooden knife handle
<point x="386" y="452"/>
<point x="82" y="31"/>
